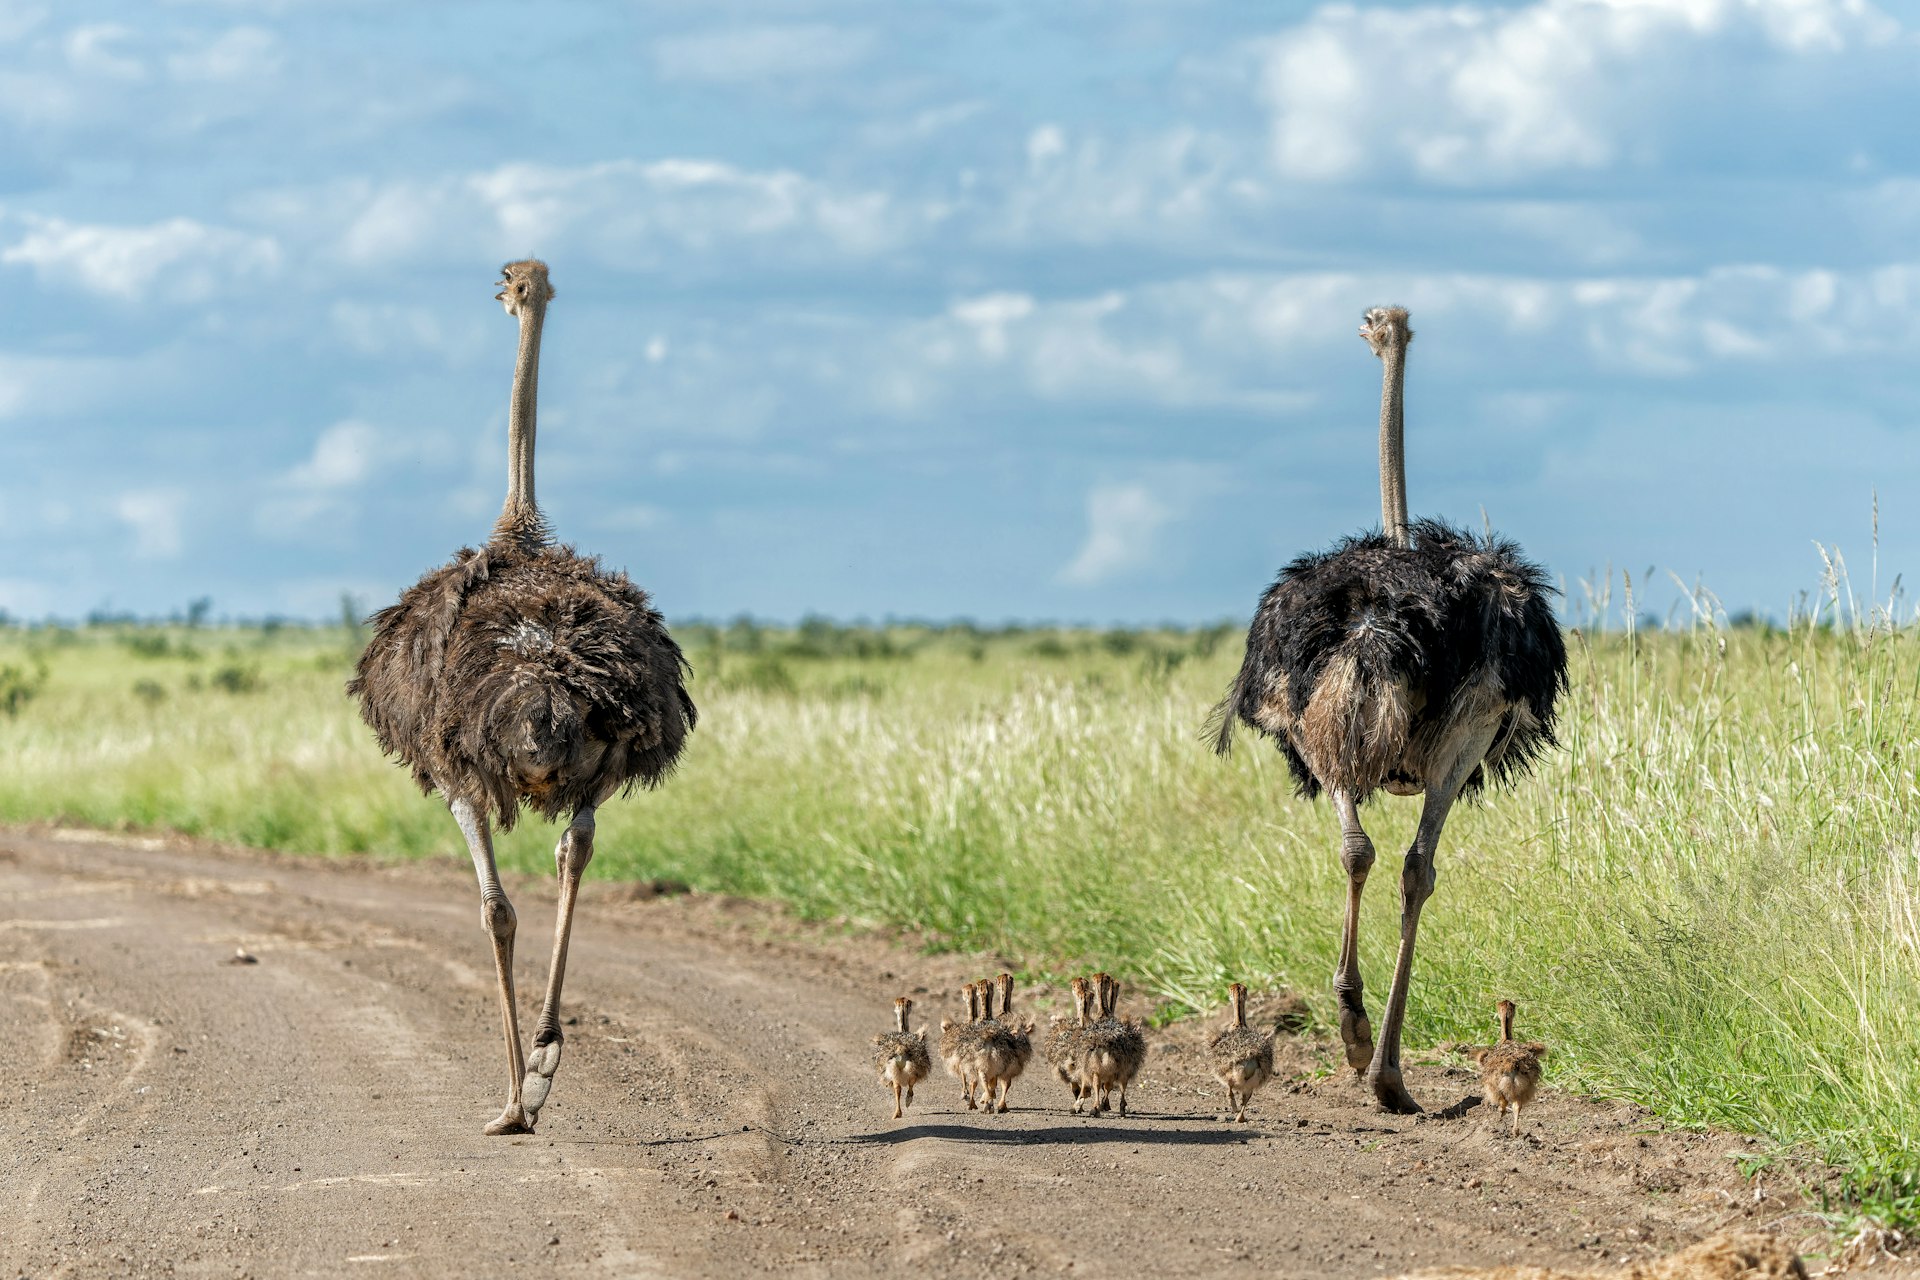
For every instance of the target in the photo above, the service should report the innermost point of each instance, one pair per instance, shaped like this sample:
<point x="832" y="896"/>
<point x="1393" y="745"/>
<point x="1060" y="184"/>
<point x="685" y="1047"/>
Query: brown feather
<point x="532" y="676"/>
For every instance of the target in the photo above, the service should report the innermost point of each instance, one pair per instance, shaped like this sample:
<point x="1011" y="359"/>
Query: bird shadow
<point x="1458" y="1111"/>
<point x="1059" y="1135"/>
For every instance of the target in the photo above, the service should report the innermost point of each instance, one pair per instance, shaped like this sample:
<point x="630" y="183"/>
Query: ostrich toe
<point x="542" y="1063"/>
<point x="513" y="1120"/>
<point x="1357" y="1034"/>
<point x="1391" y="1091"/>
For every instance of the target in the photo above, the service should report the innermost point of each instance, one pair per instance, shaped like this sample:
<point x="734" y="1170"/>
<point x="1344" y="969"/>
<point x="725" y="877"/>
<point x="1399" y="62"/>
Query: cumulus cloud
<point x="152" y="516"/>
<point x="754" y="55"/>
<point x="1259" y="341"/>
<point x="1123" y="521"/>
<point x="242" y="53"/>
<point x="1164" y="187"/>
<point x="627" y="212"/>
<point x="341" y="457"/>
<point x="180" y="259"/>
<point x="98" y="49"/>
<point x="330" y="483"/>
<point x="988" y="316"/>
<point x="1471" y="93"/>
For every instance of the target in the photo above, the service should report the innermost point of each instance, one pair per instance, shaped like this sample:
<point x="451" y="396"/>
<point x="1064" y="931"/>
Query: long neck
<point x="520" y="519"/>
<point x="1506" y="1025"/>
<point x="1393" y="451"/>
<point x="900" y="1012"/>
<point x="1239" y="1009"/>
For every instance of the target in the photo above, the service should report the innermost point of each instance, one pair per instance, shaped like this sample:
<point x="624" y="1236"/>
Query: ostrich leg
<point x="1356" y="855"/>
<point x="496" y="913"/>
<point x="1416" y="886"/>
<point x="570" y="858"/>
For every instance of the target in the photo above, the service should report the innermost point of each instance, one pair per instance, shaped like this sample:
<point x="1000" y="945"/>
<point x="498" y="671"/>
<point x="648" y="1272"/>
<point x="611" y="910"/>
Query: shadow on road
<point x="1062" y="1135"/>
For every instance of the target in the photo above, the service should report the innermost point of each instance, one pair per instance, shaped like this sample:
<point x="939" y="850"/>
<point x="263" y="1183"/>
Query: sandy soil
<point x="319" y="1112"/>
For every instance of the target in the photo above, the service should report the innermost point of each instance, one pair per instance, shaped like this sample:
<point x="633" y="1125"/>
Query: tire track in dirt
<point x="319" y="1112"/>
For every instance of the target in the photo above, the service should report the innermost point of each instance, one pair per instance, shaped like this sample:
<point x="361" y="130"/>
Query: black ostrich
<point x="1422" y="660"/>
<point x="524" y="673"/>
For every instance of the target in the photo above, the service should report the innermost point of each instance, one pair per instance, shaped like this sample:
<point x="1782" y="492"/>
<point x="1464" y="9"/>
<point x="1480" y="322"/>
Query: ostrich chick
<point x="1064" y="1046"/>
<point x="901" y="1059"/>
<point x="1115" y="1050"/>
<point x="1004" y="1047"/>
<point x="956" y="1043"/>
<point x="1510" y="1070"/>
<point x="1242" y="1057"/>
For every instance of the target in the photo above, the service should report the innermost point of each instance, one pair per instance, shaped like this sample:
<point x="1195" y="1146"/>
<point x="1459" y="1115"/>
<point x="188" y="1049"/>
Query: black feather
<point x="1433" y="617"/>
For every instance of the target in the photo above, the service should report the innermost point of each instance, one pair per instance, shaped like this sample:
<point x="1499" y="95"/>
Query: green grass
<point x="1709" y="901"/>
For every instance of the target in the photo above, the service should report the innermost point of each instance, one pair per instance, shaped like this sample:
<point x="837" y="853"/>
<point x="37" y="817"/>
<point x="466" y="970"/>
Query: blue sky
<point x="1001" y="310"/>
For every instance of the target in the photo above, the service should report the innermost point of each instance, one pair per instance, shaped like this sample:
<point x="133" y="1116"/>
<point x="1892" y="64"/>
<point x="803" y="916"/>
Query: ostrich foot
<point x="1392" y="1092"/>
<point x="512" y="1120"/>
<point x="1357" y="1034"/>
<point x="538" y="1082"/>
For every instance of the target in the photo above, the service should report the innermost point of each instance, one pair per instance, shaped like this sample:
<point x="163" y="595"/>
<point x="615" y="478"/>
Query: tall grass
<point x="1709" y="900"/>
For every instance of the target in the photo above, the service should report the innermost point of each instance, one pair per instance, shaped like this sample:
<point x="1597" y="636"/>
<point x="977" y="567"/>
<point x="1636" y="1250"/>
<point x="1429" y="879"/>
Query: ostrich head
<point x="523" y="283"/>
<point x="902" y="1010"/>
<point x="1386" y="328"/>
<point x="1505" y="1010"/>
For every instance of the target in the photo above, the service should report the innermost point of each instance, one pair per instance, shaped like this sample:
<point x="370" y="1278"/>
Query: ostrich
<point x="1509" y="1070"/>
<point x="1422" y="660"/>
<point x="525" y="674"/>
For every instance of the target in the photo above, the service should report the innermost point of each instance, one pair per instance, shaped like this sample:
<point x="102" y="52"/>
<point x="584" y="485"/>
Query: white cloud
<point x="186" y="260"/>
<point x="1046" y="143"/>
<point x="25" y="598"/>
<point x="35" y="386"/>
<point x="635" y="517"/>
<point x="1259" y="341"/>
<point x="95" y="50"/>
<point x="627" y="212"/>
<point x="404" y="333"/>
<point x="921" y="126"/>
<point x="1471" y="93"/>
<point x="341" y="457"/>
<point x="243" y="53"/>
<point x="326" y="488"/>
<point x="1180" y="186"/>
<point x="153" y="517"/>
<point x="989" y="316"/>
<point x="753" y="55"/>
<point x="1100" y="349"/>
<point x="1123" y="521"/>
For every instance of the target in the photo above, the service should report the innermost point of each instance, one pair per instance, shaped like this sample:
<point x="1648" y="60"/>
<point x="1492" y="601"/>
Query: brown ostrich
<point x="1242" y="1058"/>
<point x="1421" y="660"/>
<point x="525" y="674"/>
<point x="902" y="1059"/>
<point x="1509" y="1070"/>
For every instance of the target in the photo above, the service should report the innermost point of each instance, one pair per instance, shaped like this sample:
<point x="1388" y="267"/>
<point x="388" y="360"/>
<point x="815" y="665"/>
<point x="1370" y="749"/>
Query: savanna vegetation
<point x="1709" y="901"/>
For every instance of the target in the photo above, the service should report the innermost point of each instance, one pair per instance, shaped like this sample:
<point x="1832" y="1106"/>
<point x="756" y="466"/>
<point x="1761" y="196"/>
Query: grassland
<point x="1709" y="901"/>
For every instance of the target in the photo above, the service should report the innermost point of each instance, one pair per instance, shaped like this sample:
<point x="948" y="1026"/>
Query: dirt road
<point x="318" y="1112"/>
